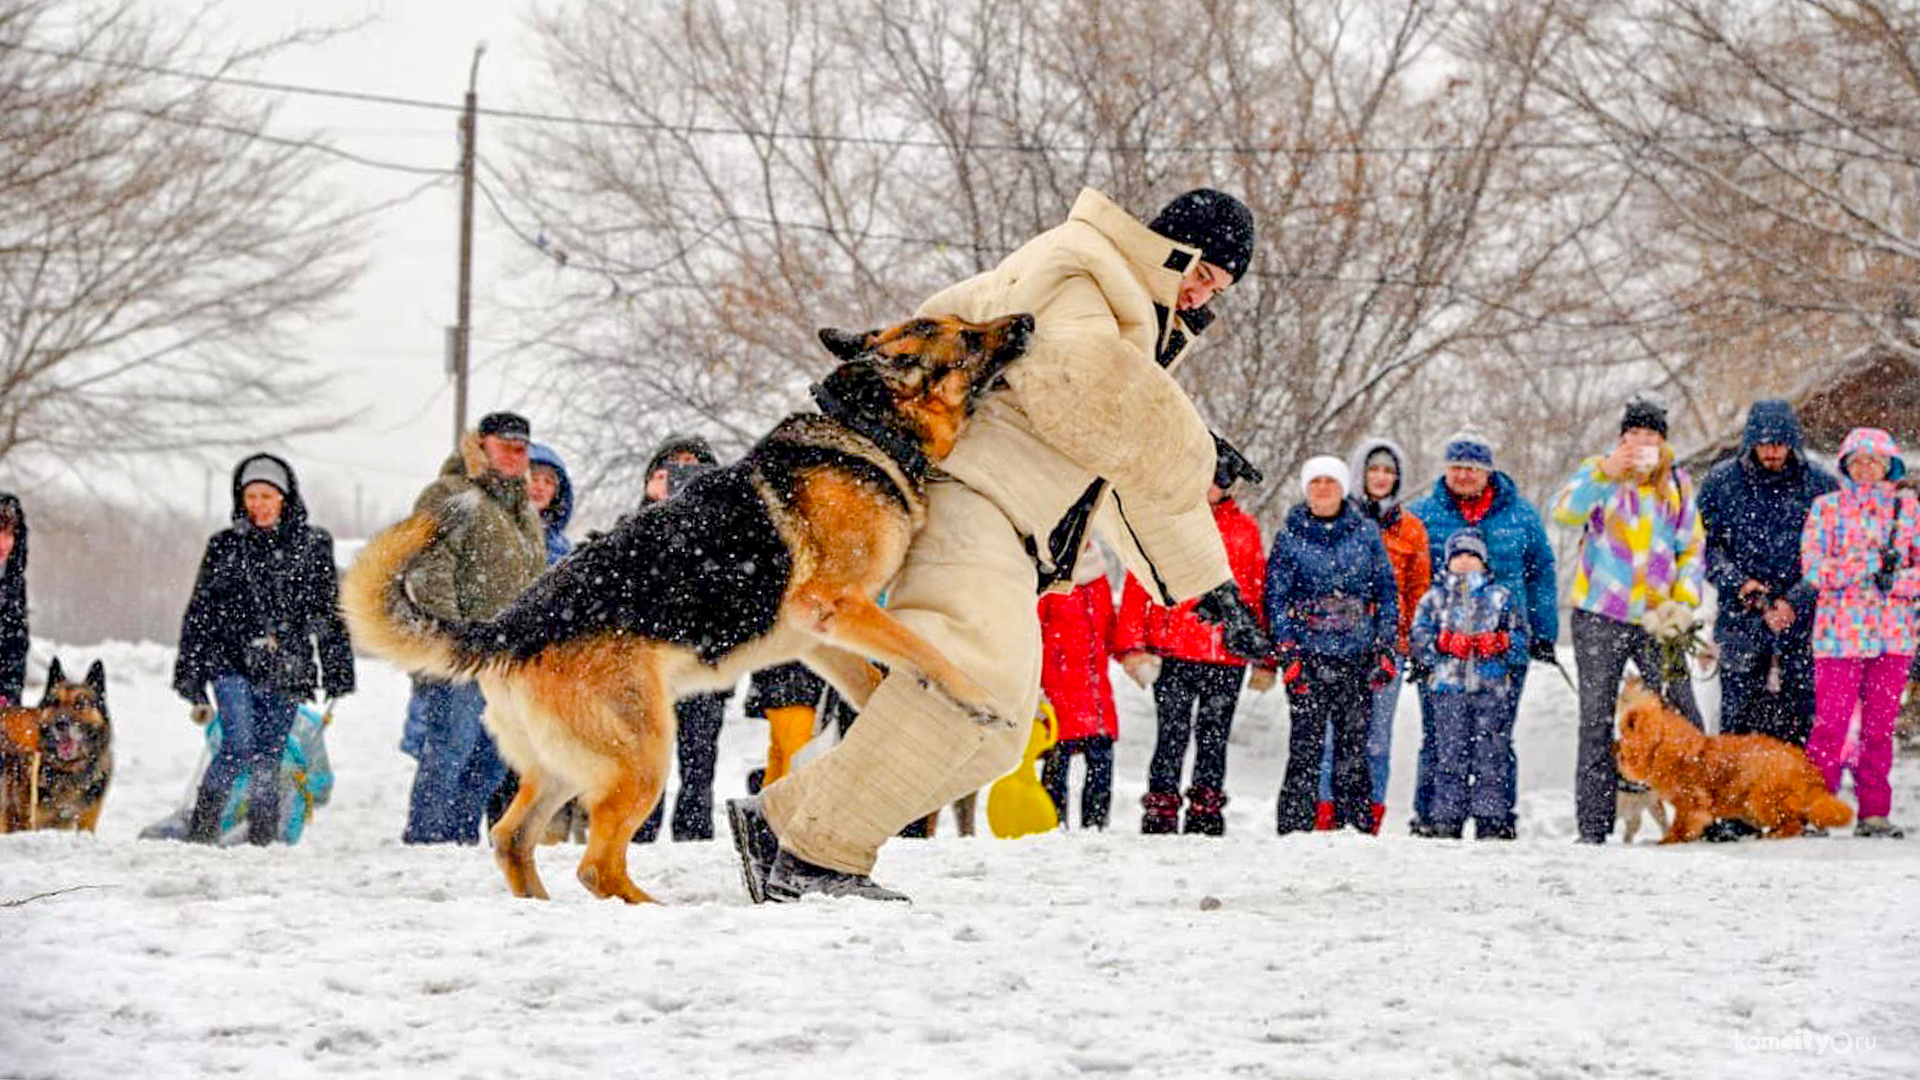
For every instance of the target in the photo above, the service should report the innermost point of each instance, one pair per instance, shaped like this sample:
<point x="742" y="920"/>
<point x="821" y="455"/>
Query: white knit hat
<point x="1328" y="466"/>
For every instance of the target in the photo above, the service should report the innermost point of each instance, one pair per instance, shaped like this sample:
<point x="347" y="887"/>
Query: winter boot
<point x="1323" y="816"/>
<point x="1446" y="830"/>
<point x="793" y="877"/>
<point x="754" y="840"/>
<point x="1204" y="806"/>
<point x="1162" y="812"/>
<point x="1379" y="815"/>
<point x="1491" y="829"/>
<point x="1418" y="828"/>
<point x="203" y="825"/>
<point x="1728" y="830"/>
<point x="1879" y="826"/>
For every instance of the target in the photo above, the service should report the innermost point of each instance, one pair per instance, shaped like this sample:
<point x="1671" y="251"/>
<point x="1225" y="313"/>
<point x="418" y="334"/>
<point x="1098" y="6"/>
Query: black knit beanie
<point x="1218" y="224"/>
<point x="1644" y="413"/>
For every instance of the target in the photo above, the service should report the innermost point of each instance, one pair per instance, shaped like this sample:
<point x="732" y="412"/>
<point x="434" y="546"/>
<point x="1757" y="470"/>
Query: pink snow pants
<point x="1839" y="683"/>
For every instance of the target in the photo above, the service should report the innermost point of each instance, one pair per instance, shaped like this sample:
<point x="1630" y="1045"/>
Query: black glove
<point x="1239" y="627"/>
<point x="1889" y="565"/>
<point x="1542" y="651"/>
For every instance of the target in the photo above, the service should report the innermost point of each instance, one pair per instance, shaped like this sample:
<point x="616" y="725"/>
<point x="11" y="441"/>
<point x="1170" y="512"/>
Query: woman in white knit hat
<point x="1334" y="610"/>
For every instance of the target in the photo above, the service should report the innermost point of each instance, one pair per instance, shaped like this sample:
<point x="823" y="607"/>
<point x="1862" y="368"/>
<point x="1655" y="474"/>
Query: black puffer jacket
<point x="264" y="601"/>
<point x="13" y="603"/>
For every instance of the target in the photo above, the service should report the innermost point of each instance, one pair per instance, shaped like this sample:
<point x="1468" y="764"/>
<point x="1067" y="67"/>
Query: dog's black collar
<point x="899" y="445"/>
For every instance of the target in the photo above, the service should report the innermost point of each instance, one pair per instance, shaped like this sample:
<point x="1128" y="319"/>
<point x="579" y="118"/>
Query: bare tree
<point x="744" y="172"/>
<point x="1771" y="157"/>
<point x="159" y="250"/>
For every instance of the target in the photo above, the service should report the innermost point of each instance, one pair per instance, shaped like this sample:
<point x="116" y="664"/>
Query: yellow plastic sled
<point x="1016" y="803"/>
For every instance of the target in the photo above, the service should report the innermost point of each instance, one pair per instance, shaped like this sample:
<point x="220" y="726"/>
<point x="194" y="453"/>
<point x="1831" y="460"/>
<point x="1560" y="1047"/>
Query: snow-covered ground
<point x="1073" y="953"/>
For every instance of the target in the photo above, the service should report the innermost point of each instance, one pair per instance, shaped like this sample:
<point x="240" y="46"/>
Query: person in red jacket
<point x="1191" y="671"/>
<point x="1076" y="632"/>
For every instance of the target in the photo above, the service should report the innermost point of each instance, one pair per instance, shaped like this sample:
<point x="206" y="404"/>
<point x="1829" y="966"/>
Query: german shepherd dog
<point x="70" y="738"/>
<point x="776" y="557"/>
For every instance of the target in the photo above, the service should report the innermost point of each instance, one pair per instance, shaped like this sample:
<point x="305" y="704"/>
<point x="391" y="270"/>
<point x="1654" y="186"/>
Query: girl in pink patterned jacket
<point x="1861" y="548"/>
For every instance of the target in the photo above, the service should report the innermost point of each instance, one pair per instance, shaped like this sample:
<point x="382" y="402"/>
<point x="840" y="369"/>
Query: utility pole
<point x="462" y="332"/>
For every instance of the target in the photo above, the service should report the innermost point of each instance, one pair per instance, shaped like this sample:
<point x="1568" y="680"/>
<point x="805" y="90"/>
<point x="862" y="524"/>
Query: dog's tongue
<point x="67" y="746"/>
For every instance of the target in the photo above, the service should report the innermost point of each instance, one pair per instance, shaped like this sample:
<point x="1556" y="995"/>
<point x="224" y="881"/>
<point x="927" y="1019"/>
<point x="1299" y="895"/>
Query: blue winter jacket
<point x="560" y="511"/>
<point x="1519" y="556"/>
<point x="1754" y="517"/>
<point x="1469" y="605"/>
<point x="1330" y="588"/>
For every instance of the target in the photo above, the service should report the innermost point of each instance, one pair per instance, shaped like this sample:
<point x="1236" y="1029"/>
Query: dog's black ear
<point x="861" y="388"/>
<point x="55" y="676"/>
<point x="97" y="679"/>
<point x="845" y="344"/>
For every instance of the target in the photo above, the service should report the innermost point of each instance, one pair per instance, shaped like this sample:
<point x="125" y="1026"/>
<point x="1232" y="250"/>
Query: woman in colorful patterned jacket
<point x="1641" y="548"/>
<point x="1860" y="547"/>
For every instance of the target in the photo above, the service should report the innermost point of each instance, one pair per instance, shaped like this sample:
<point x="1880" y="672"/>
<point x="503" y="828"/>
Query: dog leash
<point x="33" y="793"/>
<point x="1572" y="687"/>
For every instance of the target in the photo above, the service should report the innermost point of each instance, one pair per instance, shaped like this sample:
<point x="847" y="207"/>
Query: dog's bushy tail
<point x="1828" y="812"/>
<point x="384" y="620"/>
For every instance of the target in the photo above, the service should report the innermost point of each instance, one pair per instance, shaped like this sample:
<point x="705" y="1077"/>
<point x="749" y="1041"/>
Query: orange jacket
<point x="1406" y="540"/>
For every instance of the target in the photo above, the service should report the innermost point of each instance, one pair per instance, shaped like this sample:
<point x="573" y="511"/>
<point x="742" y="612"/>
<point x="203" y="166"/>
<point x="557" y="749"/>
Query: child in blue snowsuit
<point x="1468" y="638"/>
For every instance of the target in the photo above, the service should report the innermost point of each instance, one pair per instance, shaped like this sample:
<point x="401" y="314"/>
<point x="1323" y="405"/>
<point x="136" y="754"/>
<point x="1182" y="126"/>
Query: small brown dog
<point x="1762" y="781"/>
<point x="56" y="759"/>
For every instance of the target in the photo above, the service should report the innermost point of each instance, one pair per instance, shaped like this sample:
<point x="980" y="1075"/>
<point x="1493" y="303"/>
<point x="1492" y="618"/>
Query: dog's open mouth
<point x="1019" y="335"/>
<point x="68" y="745"/>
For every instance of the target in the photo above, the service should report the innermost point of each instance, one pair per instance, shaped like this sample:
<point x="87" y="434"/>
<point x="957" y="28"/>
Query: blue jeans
<point x="459" y="765"/>
<point x="254" y="724"/>
<point x="1379" y="741"/>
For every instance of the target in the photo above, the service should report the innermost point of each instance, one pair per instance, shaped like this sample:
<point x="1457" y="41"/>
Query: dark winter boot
<point x="203" y="825"/>
<point x="1445" y="830"/>
<point x="1484" y="829"/>
<point x="1162" y="812"/>
<point x="793" y="877"/>
<point x="1204" y="806"/>
<point x="1728" y="830"/>
<point x="1323" y="816"/>
<point x="753" y="839"/>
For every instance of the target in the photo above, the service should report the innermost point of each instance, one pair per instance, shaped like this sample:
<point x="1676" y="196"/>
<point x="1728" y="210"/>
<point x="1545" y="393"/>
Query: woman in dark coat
<point x="13" y="599"/>
<point x="1335" y="614"/>
<point x="265" y="601"/>
<point x="697" y="731"/>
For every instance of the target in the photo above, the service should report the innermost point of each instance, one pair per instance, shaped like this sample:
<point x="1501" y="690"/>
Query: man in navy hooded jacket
<point x="1754" y="506"/>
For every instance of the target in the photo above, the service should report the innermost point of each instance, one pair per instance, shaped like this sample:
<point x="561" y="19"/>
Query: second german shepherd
<point x="56" y="759"/>
<point x="775" y="557"/>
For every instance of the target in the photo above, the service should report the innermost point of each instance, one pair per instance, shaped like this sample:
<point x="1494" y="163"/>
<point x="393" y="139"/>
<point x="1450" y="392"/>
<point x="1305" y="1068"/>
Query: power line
<point x="281" y="140"/>
<point x="1762" y="134"/>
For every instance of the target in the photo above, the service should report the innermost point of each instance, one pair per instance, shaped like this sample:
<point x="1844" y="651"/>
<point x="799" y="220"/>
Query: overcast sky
<point x="386" y="345"/>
